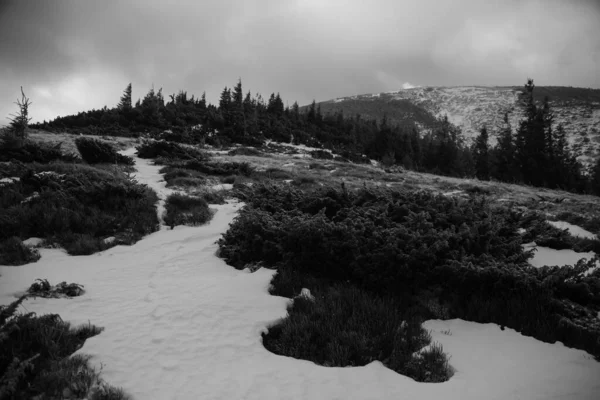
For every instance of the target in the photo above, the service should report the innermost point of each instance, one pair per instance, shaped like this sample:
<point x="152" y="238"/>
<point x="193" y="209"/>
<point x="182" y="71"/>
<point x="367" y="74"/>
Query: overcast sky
<point x="74" y="55"/>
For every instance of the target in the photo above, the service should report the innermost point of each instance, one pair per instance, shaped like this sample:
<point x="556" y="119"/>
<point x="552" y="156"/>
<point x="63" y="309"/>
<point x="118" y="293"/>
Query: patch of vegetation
<point x="321" y="155"/>
<point x="77" y="206"/>
<point x="169" y="150"/>
<point x="43" y="288"/>
<point x="589" y="223"/>
<point x="94" y="151"/>
<point x="220" y="168"/>
<point x="14" y="252"/>
<point x="275" y="174"/>
<point x="211" y="196"/>
<point x="462" y="255"/>
<point x="182" y="209"/>
<point x="182" y="177"/>
<point x="29" y="152"/>
<point x="246" y="151"/>
<point x="546" y="235"/>
<point x="34" y="356"/>
<point x="346" y="326"/>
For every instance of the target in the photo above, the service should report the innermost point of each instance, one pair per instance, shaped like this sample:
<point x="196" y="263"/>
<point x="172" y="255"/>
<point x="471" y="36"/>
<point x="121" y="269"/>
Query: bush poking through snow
<point x="77" y="206"/>
<point x="31" y="152"/>
<point x="465" y="253"/>
<point x="14" y="252"/>
<point x="94" y="151"/>
<point x="180" y="177"/>
<point x="346" y="326"/>
<point x="181" y="209"/>
<point x="168" y="150"/>
<point x="246" y="151"/>
<point x="42" y="288"/>
<point x="34" y="356"/>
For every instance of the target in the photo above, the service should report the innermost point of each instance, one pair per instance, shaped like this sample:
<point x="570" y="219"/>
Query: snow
<point x="551" y="257"/>
<point x="300" y="147"/>
<point x="453" y="193"/>
<point x="33" y="241"/>
<point x="9" y="180"/>
<point x="573" y="229"/>
<point x="181" y="324"/>
<point x="222" y="186"/>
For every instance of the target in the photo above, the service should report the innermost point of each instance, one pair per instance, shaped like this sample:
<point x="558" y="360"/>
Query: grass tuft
<point x="182" y="209"/>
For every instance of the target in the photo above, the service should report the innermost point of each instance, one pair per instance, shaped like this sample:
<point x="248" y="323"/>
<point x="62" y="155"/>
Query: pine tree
<point x="125" y="103"/>
<point x="505" y="168"/>
<point x="225" y="106"/>
<point x="481" y="155"/>
<point x="237" y="115"/>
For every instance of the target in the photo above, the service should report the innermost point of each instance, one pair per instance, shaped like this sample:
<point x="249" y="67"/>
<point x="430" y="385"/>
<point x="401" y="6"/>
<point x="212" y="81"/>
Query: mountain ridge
<point x="472" y="107"/>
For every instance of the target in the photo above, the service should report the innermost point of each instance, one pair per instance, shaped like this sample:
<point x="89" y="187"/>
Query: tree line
<point x="535" y="153"/>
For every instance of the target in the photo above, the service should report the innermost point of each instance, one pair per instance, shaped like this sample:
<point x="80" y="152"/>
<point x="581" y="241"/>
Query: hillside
<point x="471" y="107"/>
<point x="186" y="305"/>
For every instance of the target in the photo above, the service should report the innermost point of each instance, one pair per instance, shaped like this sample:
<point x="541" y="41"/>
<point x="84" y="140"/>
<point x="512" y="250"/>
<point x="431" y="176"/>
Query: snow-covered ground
<point x="181" y="324"/>
<point x="551" y="257"/>
<point x="573" y="229"/>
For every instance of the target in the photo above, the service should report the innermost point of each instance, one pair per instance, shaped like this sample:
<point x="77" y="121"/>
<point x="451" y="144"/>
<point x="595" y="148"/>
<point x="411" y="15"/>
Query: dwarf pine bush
<point x="94" y="151"/>
<point x="411" y="246"/>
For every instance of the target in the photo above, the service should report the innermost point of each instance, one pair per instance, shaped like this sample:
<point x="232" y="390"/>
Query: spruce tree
<point x="481" y="155"/>
<point x="505" y="168"/>
<point x="125" y="102"/>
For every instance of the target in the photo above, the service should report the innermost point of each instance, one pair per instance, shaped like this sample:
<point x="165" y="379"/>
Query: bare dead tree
<point x="20" y="121"/>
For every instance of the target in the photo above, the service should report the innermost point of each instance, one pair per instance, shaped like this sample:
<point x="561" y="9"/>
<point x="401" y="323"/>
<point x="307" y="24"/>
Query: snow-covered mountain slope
<point x="182" y="324"/>
<point x="471" y="107"/>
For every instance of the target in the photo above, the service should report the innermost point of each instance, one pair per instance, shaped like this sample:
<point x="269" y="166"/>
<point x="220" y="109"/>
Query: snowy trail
<point x="181" y="324"/>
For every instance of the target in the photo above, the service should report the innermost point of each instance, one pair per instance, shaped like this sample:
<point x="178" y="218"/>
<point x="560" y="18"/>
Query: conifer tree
<point x="505" y="168"/>
<point x="125" y="102"/>
<point x="481" y="155"/>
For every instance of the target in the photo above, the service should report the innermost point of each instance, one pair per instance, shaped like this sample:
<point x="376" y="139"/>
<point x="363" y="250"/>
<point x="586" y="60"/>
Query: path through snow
<point x="181" y="324"/>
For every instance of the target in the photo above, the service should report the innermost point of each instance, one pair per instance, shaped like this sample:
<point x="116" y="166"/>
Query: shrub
<point x="182" y="177"/>
<point x="345" y="326"/>
<point x="220" y="168"/>
<point x="169" y="150"/>
<point x="94" y="151"/>
<point x="30" y="152"/>
<point x="34" y="355"/>
<point x="42" y="288"/>
<point x="181" y="209"/>
<point x="246" y="151"/>
<point x="77" y="206"/>
<point x="408" y="245"/>
<point x="14" y="252"/>
<point x="321" y="154"/>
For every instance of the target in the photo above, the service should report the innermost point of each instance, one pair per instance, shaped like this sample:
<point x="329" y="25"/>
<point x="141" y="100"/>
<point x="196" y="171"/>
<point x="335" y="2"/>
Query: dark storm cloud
<point x="72" y="55"/>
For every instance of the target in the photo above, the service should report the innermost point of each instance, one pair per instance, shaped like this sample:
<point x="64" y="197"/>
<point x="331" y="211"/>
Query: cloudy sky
<point x="74" y="55"/>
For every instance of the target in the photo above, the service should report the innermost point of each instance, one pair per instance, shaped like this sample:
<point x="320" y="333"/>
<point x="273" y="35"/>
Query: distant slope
<point x="471" y="107"/>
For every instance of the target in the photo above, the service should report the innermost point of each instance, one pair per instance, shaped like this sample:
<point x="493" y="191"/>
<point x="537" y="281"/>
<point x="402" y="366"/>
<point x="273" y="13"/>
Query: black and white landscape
<point x="249" y="200"/>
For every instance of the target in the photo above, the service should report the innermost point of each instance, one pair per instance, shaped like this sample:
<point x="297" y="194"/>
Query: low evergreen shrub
<point x="169" y="150"/>
<point x="34" y="356"/>
<point x="14" y="252"/>
<point x="345" y="326"/>
<point x="321" y="154"/>
<point x="181" y="209"/>
<point x="94" y="151"/>
<point x="77" y="206"/>
<point x="408" y="245"/>
<point x="31" y="152"/>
